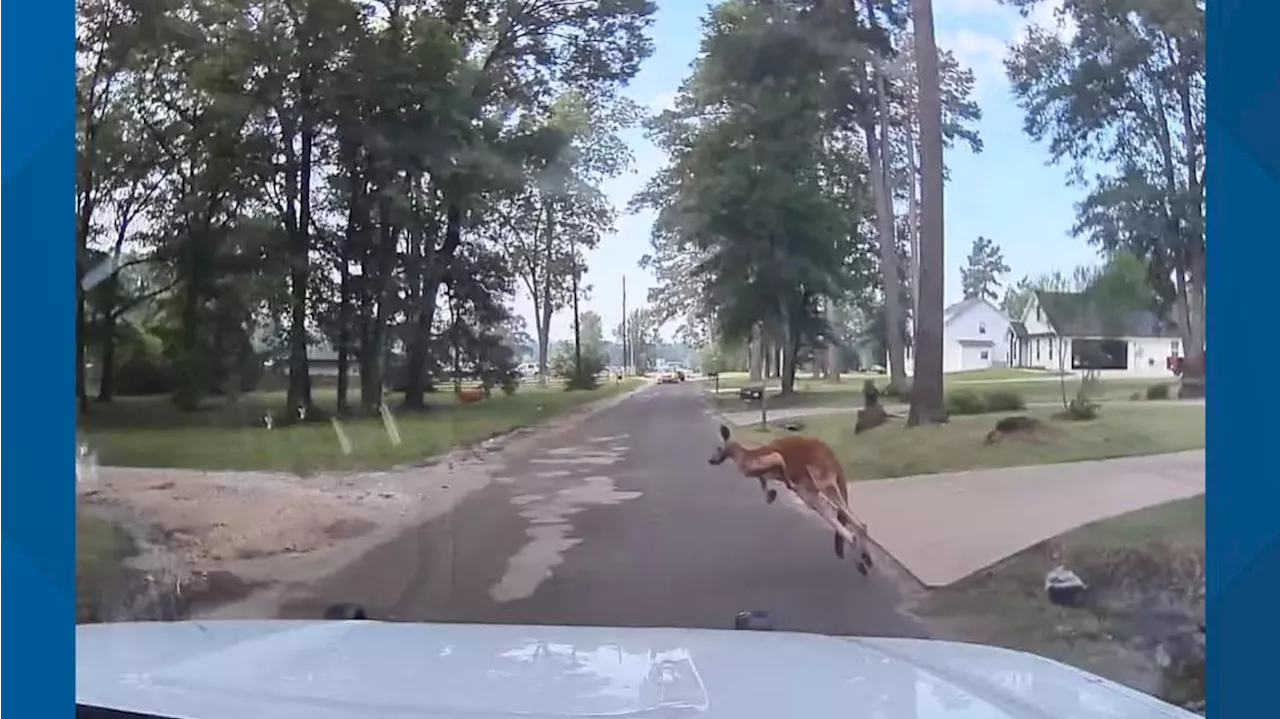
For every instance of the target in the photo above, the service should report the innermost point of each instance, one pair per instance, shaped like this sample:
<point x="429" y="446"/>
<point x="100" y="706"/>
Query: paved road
<point x="621" y="521"/>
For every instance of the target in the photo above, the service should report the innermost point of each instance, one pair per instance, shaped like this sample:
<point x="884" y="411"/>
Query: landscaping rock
<point x="869" y="418"/>
<point x="1014" y="425"/>
<point x="1065" y="587"/>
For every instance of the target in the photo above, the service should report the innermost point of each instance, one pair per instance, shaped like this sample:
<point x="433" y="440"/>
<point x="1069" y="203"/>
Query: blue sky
<point x="1007" y="193"/>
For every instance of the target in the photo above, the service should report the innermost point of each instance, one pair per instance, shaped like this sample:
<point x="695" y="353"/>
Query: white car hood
<point x="349" y="669"/>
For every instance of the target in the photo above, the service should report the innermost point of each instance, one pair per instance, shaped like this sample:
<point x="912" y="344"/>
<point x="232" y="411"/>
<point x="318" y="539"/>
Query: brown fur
<point x="470" y="395"/>
<point x="806" y="466"/>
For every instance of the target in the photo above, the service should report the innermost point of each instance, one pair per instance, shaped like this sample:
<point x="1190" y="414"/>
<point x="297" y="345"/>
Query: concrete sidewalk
<point x="944" y="527"/>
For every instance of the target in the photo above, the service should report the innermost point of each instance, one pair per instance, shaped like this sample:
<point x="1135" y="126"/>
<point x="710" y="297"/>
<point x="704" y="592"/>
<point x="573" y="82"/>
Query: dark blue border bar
<point x="1243" y="466"/>
<point x="37" y="307"/>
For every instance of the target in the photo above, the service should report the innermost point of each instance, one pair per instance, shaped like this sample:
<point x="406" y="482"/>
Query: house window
<point x="1099" y="354"/>
<point x="982" y="328"/>
<point x="1039" y="318"/>
<point x="1037" y="349"/>
<point x="985" y="355"/>
<point x="1050" y="350"/>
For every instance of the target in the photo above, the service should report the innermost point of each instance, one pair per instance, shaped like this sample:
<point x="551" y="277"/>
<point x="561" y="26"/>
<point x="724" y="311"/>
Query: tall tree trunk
<point x="107" y="358"/>
<point x="755" y="354"/>
<point x="876" y="131"/>
<point x="787" y="349"/>
<point x="82" y="329"/>
<point x="913" y="222"/>
<point x="831" y="368"/>
<point x="927" y="405"/>
<point x="543" y="320"/>
<point x="577" y="324"/>
<point x="373" y="381"/>
<point x="298" y="225"/>
<point x="1193" y="369"/>
<point x="437" y="261"/>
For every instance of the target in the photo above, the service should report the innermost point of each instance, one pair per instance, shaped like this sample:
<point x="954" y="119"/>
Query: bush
<point x="965" y="402"/>
<point x="1080" y="411"/>
<point x="902" y="393"/>
<point x="510" y="383"/>
<point x="1158" y="391"/>
<point x="589" y="378"/>
<point x="1004" y="400"/>
<point x="144" y="375"/>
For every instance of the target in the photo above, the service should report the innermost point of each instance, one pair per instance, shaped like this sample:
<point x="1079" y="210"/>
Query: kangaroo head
<point x="725" y="450"/>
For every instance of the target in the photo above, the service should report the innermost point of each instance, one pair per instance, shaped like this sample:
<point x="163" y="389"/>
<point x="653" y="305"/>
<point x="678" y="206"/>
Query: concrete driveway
<point x="944" y="527"/>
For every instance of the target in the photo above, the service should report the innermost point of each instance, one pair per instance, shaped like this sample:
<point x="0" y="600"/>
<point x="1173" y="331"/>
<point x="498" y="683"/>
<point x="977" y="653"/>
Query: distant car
<point x="680" y="375"/>
<point x="667" y="377"/>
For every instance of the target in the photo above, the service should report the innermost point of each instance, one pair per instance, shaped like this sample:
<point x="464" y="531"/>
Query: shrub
<point x="902" y="393"/>
<point x="964" y="402"/>
<point x="1080" y="411"/>
<point x="510" y="383"/>
<point x="589" y="378"/>
<point x="1158" y="391"/>
<point x="1004" y="400"/>
<point x="143" y="374"/>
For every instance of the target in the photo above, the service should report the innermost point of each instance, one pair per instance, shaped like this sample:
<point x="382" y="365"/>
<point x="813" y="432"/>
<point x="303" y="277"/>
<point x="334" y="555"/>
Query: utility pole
<point x="577" y="327"/>
<point x="626" y="339"/>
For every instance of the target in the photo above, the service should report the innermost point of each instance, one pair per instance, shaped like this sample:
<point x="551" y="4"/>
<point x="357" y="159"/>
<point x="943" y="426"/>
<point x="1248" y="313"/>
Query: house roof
<point x="1019" y="329"/>
<point x="1072" y="314"/>
<point x="953" y="311"/>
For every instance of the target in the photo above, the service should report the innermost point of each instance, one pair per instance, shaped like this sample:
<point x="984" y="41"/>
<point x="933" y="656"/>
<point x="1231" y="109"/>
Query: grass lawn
<point x="822" y="393"/>
<point x="1155" y="554"/>
<point x="999" y="374"/>
<point x="892" y="451"/>
<point x="101" y="547"/>
<point x="149" y="432"/>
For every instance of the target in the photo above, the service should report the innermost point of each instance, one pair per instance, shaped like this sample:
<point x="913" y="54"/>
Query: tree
<point x="277" y="175"/>
<point x="984" y="267"/>
<point x="757" y="184"/>
<point x="592" y="334"/>
<point x="1123" y="96"/>
<point x="926" y="391"/>
<point x="640" y="338"/>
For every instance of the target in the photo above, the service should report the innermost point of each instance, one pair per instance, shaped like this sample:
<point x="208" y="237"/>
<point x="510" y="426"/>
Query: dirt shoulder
<point x="1141" y="622"/>
<point x="225" y="543"/>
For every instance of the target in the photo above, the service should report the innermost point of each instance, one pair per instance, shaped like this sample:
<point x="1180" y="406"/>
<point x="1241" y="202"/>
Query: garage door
<point x="975" y="357"/>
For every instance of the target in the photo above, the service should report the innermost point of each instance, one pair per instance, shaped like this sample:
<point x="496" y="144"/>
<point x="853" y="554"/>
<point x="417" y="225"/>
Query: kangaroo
<point x="808" y="467"/>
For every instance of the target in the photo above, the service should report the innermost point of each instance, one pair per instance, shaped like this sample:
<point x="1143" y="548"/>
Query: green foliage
<point x="896" y="392"/>
<point x="1003" y="401"/>
<point x="143" y="374"/>
<point x="965" y="402"/>
<point x="1083" y="406"/>
<point x="586" y="377"/>
<point x="510" y="383"/>
<point x="984" y="267"/>
<point x="245" y="163"/>
<point x="1119" y="99"/>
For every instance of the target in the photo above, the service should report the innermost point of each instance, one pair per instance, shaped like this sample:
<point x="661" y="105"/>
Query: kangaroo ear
<point x="724" y="432"/>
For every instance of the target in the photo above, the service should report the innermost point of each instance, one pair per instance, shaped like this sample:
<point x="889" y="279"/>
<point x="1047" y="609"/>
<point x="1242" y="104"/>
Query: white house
<point x="975" y="335"/>
<point x="1064" y="330"/>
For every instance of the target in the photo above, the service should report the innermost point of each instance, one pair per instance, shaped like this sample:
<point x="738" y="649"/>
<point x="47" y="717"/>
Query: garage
<point x="975" y="355"/>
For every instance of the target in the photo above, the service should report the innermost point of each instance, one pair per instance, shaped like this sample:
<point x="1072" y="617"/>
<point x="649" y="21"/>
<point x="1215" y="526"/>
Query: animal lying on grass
<point x="808" y="467"/>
